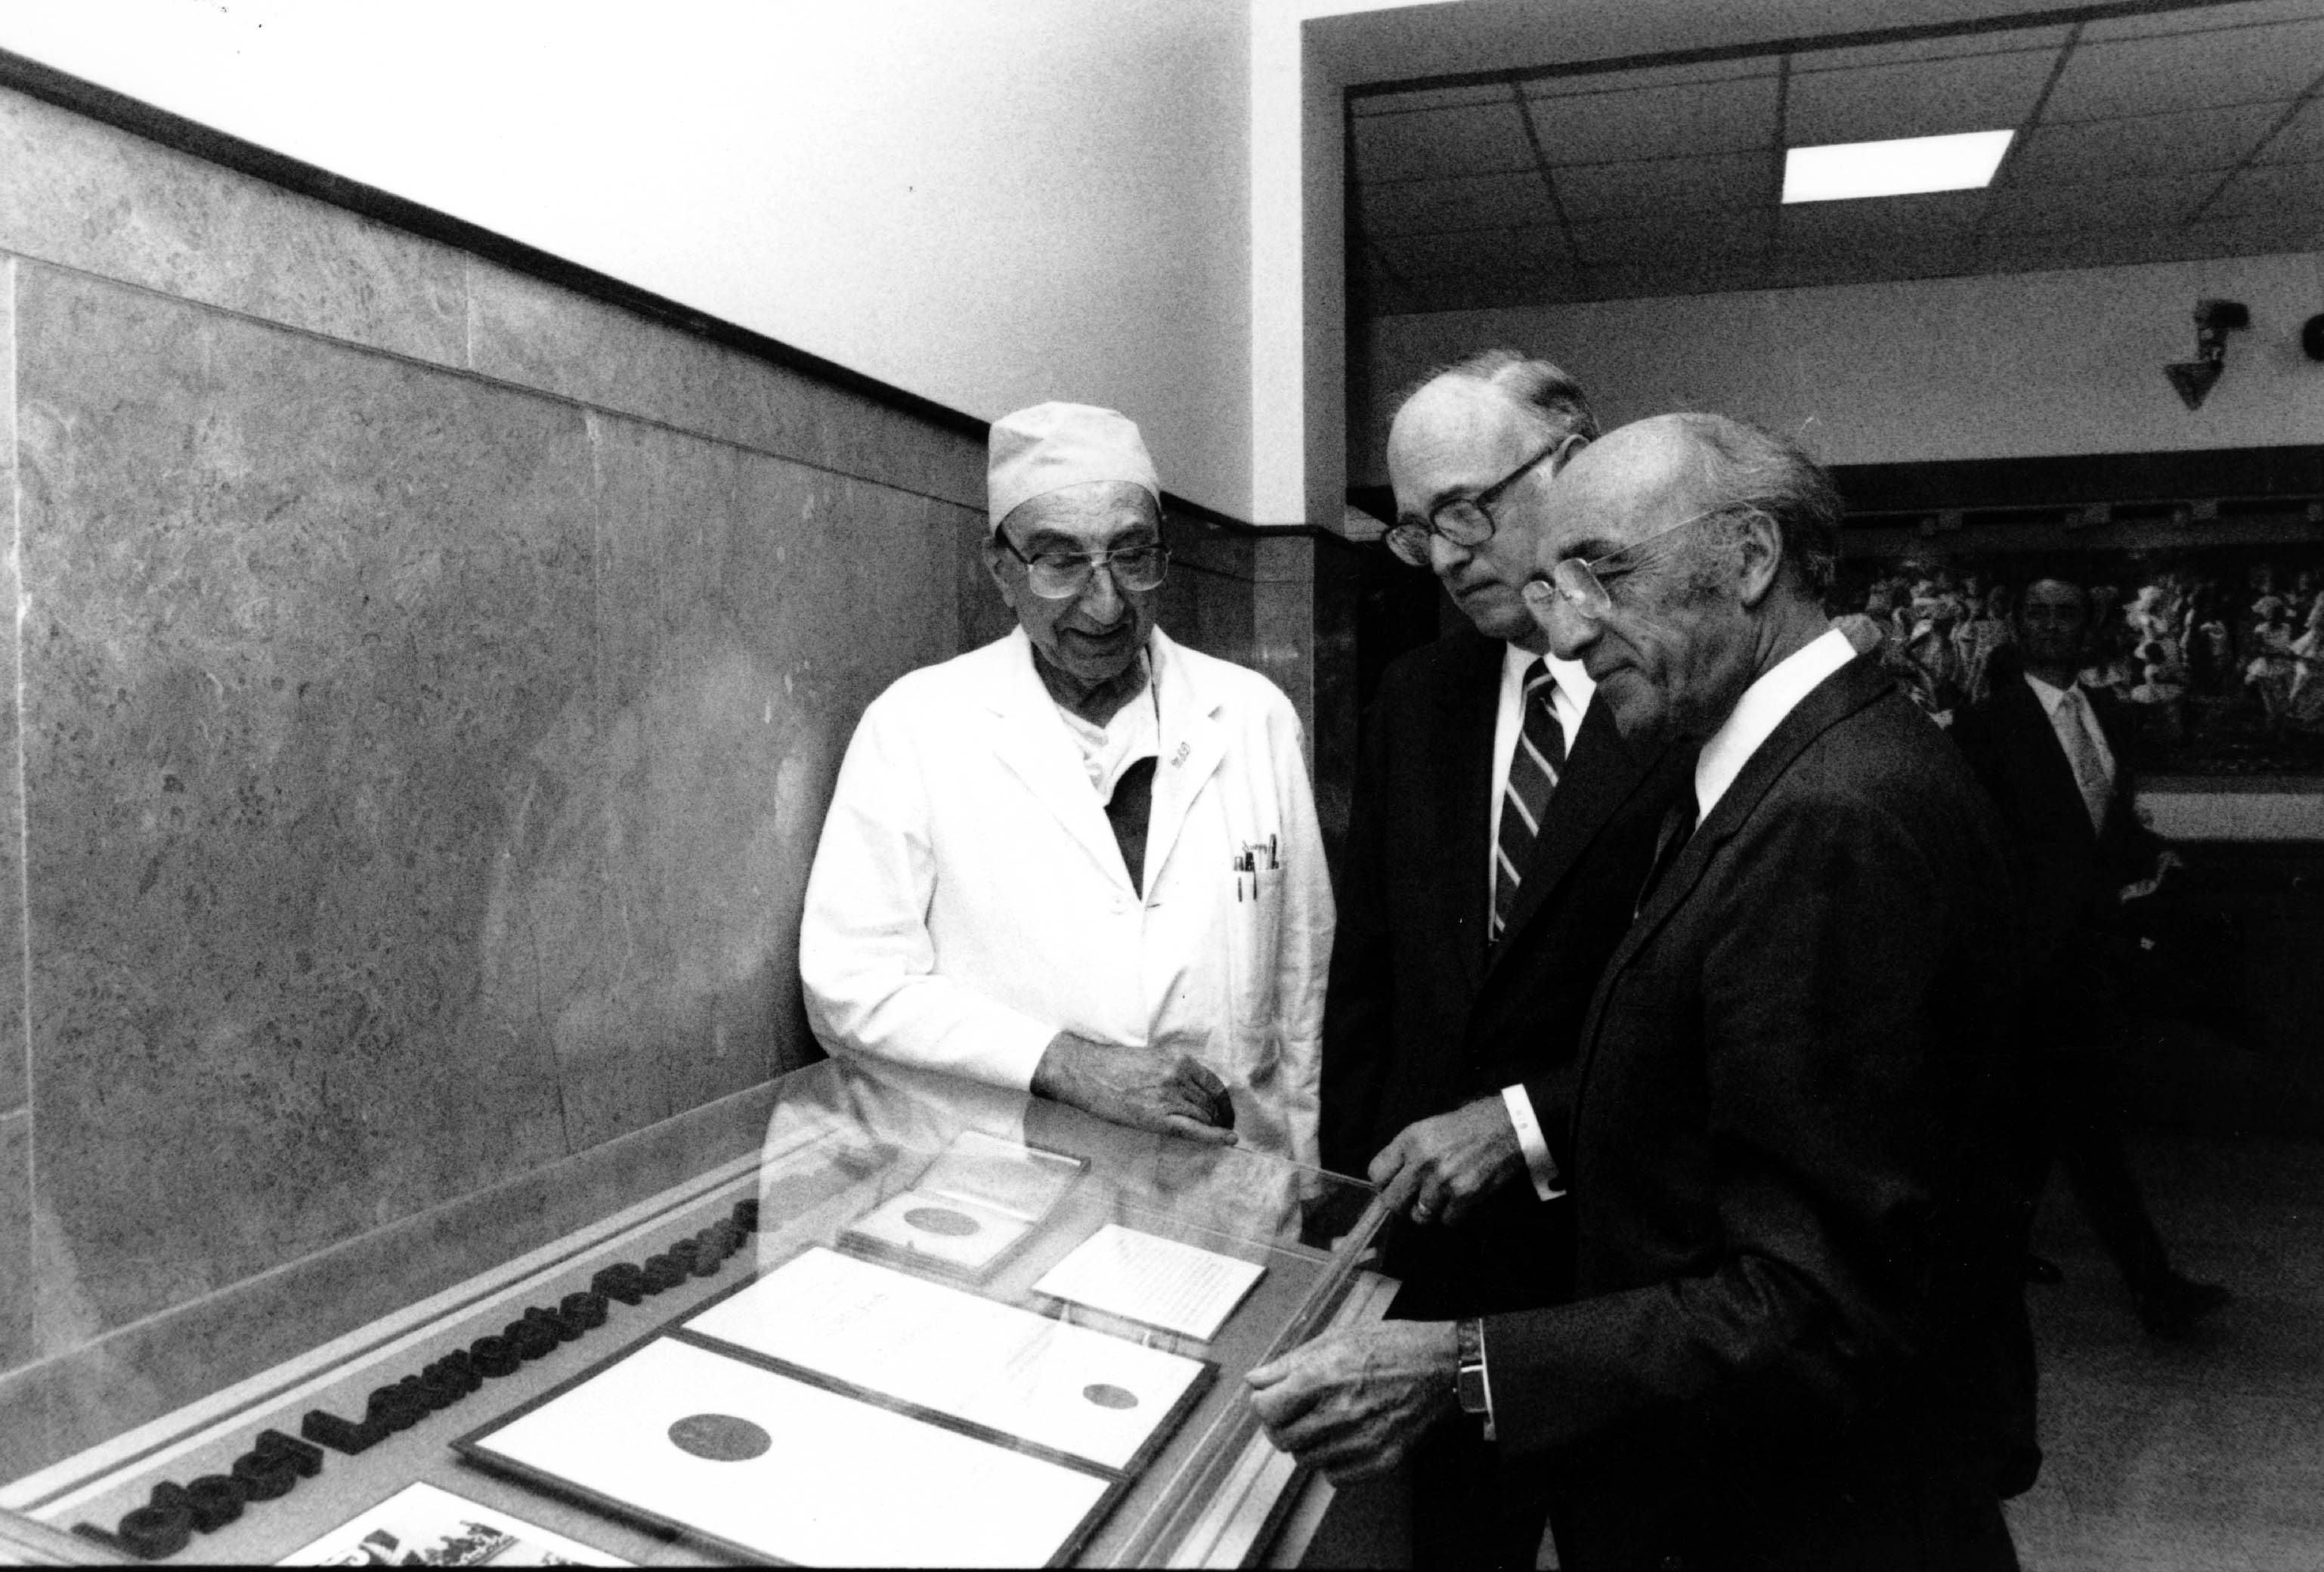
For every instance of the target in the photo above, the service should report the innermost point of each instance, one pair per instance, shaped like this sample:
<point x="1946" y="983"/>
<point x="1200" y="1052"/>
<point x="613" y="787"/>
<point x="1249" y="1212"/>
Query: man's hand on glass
<point x="1151" y="1087"/>
<point x="1436" y="1170"/>
<point x="1353" y="1403"/>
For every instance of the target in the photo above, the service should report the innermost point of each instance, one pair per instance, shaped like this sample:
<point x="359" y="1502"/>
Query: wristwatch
<point x="1468" y="1383"/>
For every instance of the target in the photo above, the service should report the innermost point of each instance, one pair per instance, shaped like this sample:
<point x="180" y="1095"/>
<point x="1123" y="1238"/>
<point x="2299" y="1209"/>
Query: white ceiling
<point x="2157" y="136"/>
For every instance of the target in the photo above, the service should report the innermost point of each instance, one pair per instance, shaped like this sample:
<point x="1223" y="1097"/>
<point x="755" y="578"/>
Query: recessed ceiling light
<point x="1899" y="168"/>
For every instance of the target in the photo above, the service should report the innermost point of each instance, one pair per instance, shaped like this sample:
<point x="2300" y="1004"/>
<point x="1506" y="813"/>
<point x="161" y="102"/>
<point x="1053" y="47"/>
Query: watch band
<point x="1472" y="1384"/>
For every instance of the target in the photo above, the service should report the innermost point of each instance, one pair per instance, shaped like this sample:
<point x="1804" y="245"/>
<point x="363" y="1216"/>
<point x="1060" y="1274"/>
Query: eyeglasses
<point x="1467" y="520"/>
<point x="1062" y="575"/>
<point x="1581" y="586"/>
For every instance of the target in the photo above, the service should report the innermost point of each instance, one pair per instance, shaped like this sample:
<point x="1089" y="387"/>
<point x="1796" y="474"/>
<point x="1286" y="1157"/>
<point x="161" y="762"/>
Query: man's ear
<point x="995" y="561"/>
<point x="1760" y="543"/>
<point x="1574" y="443"/>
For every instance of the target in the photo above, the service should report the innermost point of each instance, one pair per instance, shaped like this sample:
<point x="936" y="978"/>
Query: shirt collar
<point x="1573" y="677"/>
<point x="2050" y="698"/>
<point x="1777" y="691"/>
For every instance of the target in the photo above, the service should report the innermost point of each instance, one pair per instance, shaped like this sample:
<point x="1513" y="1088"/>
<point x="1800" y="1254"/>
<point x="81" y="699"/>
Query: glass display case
<point x="924" y="1322"/>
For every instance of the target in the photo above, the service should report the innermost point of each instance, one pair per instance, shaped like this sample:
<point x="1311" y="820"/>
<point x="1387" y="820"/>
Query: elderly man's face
<point x="1675" y="648"/>
<point x="1092" y="637"/>
<point x="1459" y="437"/>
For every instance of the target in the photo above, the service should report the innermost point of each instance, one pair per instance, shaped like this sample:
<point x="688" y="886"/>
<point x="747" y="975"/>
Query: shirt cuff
<point x="1540" y="1166"/>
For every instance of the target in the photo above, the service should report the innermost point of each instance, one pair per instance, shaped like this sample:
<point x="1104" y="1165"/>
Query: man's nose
<point x="1102" y="600"/>
<point x="1444" y="555"/>
<point x="1569" y="631"/>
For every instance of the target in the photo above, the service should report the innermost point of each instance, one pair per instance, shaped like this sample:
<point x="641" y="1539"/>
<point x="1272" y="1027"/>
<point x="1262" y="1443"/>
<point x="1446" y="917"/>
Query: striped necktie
<point x="1534" y="764"/>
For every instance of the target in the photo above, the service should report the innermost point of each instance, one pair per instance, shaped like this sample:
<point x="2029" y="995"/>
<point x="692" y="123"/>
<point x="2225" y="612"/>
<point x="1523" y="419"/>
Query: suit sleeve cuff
<point x="1540" y="1167"/>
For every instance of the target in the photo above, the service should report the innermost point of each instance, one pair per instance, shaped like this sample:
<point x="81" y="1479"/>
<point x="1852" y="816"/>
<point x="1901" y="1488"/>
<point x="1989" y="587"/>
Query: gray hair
<point x="1537" y="386"/>
<point x="1743" y="469"/>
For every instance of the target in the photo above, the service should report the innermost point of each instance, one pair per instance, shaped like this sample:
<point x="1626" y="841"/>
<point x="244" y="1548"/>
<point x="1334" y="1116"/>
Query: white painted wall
<point x="988" y="202"/>
<point x="2016" y="365"/>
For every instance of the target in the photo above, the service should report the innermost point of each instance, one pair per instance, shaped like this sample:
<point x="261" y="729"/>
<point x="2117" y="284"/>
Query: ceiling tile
<point x="1874" y="103"/>
<point x="2201" y="19"/>
<point x="2153" y="144"/>
<point x="1427" y="98"/>
<point x="1691" y="237"/>
<point x="1632" y="279"/>
<point x="1927" y="49"/>
<point x="2186" y="71"/>
<point x="1420" y="256"/>
<point x="1388" y="295"/>
<point x="1820" y="264"/>
<point x="2301" y="137"/>
<point x="2275" y="188"/>
<point x="1478" y="139"/>
<point x="1460" y="202"/>
<point x="1657" y="122"/>
<point x="1605" y="191"/>
<point x="1879" y="222"/>
<point x="1580" y="82"/>
<point x="1481" y="293"/>
<point x="2151" y="203"/>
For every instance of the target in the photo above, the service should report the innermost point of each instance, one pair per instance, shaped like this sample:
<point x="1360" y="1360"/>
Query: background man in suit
<point x="1497" y="844"/>
<point x="2048" y="750"/>
<point x="1797" y="1338"/>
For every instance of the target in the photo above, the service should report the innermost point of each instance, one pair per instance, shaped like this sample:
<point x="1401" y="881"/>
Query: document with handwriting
<point x="1152" y="1281"/>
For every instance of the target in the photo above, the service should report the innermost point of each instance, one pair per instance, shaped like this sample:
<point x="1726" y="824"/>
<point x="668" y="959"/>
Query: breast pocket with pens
<point x="1257" y="858"/>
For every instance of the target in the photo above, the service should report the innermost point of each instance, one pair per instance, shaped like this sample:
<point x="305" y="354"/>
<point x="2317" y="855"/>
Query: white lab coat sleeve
<point x="867" y="963"/>
<point x="1304" y="941"/>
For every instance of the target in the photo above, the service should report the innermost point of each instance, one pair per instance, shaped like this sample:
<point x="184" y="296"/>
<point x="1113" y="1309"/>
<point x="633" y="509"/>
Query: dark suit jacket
<point x="1798" y="1338"/>
<point x="1421" y="1017"/>
<point x="2070" y="875"/>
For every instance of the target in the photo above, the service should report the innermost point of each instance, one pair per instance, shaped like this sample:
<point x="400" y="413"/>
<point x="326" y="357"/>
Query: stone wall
<point x="426" y="689"/>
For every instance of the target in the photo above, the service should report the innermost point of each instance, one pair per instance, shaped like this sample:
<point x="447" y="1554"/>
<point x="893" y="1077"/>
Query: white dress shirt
<point x="1762" y="708"/>
<point x="2077" y="726"/>
<point x="1134" y="733"/>
<point x="1567" y="701"/>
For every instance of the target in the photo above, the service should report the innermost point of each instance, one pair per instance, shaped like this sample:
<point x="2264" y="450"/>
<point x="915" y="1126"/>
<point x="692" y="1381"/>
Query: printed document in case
<point x="1154" y="1282"/>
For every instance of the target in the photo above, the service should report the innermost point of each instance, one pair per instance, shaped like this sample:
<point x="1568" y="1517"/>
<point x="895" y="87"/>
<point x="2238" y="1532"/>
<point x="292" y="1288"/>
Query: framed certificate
<point x="765" y="1464"/>
<point x="1004" y="1371"/>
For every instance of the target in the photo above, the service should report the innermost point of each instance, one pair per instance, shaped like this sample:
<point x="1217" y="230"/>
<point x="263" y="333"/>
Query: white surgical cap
<point x="1038" y="450"/>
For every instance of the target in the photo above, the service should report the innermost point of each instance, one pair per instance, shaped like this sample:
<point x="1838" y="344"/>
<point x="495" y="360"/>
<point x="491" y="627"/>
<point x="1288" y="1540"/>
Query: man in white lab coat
<point x="1082" y="860"/>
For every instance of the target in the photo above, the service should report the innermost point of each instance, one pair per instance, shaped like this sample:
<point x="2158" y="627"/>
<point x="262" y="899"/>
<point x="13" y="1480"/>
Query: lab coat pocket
<point x="1254" y="936"/>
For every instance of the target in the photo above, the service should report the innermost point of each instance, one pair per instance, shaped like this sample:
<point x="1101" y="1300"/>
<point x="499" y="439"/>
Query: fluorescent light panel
<point x="1899" y="168"/>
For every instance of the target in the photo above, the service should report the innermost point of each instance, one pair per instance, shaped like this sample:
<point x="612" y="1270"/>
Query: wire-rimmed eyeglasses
<point x="1062" y="575"/>
<point x="1582" y="584"/>
<point x="1468" y="521"/>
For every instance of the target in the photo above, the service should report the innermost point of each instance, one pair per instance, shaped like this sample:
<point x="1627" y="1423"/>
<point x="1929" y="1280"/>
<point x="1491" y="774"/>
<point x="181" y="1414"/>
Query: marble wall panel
<point x="15" y="1076"/>
<point x="16" y="1344"/>
<point x="539" y="336"/>
<point x="74" y="1399"/>
<point x="749" y="607"/>
<point x="306" y="629"/>
<point x="88" y="196"/>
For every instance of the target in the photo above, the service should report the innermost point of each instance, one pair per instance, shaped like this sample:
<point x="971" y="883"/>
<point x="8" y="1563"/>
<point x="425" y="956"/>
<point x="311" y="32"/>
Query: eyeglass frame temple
<point x="1561" y="451"/>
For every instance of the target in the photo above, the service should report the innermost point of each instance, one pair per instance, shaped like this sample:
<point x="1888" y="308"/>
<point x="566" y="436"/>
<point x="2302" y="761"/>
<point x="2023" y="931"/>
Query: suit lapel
<point x="1470" y="696"/>
<point x="1032" y="743"/>
<point x="1193" y="745"/>
<point x="2046" y="755"/>
<point x="1846" y="691"/>
<point x="1600" y="772"/>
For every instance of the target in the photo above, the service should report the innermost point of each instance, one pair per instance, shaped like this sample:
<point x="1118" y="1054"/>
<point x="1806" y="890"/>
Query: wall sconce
<point x="2214" y="321"/>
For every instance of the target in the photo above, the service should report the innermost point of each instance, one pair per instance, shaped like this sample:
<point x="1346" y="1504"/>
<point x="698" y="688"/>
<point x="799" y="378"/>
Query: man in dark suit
<point x="1498" y="840"/>
<point x="2049" y="750"/>
<point x="1797" y="1338"/>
